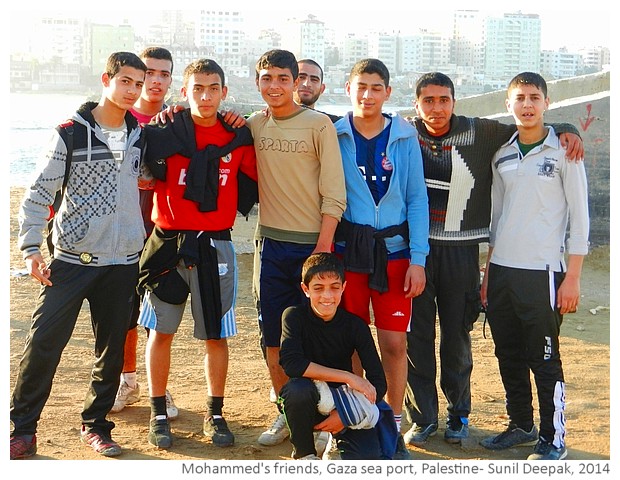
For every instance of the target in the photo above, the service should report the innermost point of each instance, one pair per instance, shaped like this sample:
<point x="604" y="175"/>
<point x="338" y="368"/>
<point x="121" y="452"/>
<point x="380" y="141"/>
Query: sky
<point x="562" y="25"/>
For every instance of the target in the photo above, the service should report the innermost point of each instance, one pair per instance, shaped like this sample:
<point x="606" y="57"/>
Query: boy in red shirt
<point x="198" y="161"/>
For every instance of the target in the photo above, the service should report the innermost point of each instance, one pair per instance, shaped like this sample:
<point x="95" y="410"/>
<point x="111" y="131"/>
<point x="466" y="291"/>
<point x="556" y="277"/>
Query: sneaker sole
<point x="562" y="457"/>
<point x="524" y="444"/>
<point x="163" y="446"/>
<point x="111" y="451"/>
<point x="454" y="441"/>
<point x="271" y="442"/>
<point x="27" y="454"/>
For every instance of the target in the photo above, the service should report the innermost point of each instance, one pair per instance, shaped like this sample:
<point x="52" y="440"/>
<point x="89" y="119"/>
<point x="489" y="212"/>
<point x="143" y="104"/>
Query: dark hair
<point x="322" y="264"/>
<point x="371" y="65"/>
<point x="529" y="78"/>
<point x="158" y="53"/>
<point x="203" y="65"/>
<point x="309" y="61"/>
<point x="433" y="78"/>
<point x="279" y="59"/>
<point x="123" y="59"/>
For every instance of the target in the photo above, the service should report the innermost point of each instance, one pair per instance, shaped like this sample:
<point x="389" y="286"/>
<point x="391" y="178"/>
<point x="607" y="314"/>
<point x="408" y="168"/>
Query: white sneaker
<point x="171" y="409"/>
<point x="125" y="396"/>
<point x="276" y="434"/>
<point x="321" y="441"/>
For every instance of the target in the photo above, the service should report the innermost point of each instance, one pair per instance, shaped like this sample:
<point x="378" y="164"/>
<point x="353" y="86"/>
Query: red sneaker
<point x="21" y="447"/>
<point x="101" y="443"/>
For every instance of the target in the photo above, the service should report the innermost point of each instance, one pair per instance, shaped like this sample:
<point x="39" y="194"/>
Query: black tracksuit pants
<point x="110" y="292"/>
<point x="525" y="324"/>
<point x="453" y="293"/>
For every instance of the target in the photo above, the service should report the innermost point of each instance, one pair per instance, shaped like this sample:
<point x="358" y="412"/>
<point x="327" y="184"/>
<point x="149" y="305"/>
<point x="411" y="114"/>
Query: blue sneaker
<point x="545" y="450"/>
<point x="457" y="429"/>
<point x="418" y="434"/>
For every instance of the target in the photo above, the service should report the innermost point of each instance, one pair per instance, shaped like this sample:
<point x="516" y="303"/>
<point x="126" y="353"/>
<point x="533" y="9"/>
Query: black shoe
<point x="159" y="433"/>
<point x="402" y="453"/>
<point x="217" y="430"/>
<point x="513" y="436"/>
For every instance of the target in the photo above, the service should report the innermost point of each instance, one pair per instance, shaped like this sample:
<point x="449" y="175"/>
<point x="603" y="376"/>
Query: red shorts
<point x="392" y="311"/>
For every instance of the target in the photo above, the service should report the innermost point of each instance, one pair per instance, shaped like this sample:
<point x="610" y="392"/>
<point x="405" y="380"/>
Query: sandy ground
<point x="585" y="347"/>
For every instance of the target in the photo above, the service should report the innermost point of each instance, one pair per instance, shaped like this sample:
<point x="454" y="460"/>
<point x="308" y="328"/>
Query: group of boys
<point x="343" y="203"/>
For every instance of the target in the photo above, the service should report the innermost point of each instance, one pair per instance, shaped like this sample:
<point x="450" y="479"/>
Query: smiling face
<point x="434" y="106"/>
<point x="325" y="293"/>
<point x="204" y="92"/>
<point x="368" y="94"/>
<point x="276" y="85"/>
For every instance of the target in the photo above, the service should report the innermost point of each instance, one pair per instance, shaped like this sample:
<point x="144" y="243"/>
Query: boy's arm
<point x="316" y="371"/>
<point x="35" y="210"/>
<point x="326" y="234"/>
<point x="418" y="221"/>
<point x="369" y="357"/>
<point x="576" y="191"/>
<point x="570" y="140"/>
<point x="500" y="133"/>
<point x="331" y="186"/>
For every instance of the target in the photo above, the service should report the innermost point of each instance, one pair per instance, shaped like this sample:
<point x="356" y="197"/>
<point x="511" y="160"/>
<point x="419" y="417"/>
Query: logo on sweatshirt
<point x="547" y="169"/>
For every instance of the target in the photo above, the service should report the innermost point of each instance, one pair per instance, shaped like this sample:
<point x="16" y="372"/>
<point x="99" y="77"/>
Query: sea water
<point x="33" y="117"/>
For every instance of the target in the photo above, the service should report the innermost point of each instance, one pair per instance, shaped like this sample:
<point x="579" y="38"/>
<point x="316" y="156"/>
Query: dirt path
<point x="584" y="345"/>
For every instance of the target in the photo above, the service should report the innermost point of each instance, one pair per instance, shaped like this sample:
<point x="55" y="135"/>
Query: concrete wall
<point x="584" y="102"/>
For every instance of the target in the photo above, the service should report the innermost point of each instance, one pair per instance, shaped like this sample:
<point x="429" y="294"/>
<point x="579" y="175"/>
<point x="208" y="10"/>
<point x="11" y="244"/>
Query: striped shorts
<point x="166" y="317"/>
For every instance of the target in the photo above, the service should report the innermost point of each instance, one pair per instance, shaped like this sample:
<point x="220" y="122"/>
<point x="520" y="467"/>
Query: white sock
<point x="130" y="378"/>
<point x="398" y="419"/>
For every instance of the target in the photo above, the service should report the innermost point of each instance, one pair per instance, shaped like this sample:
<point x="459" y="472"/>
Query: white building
<point x="560" y="64"/>
<point x="305" y="38"/>
<point x="222" y="32"/>
<point x="512" y="46"/>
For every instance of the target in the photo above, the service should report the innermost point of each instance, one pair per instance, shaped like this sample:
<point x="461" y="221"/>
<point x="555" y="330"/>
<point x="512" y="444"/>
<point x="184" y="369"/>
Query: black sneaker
<point x="513" y="436"/>
<point x="217" y="430"/>
<point x="402" y="453"/>
<point x="457" y="429"/>
<point x="545" y="450"/>
<point x="159" y="433"/>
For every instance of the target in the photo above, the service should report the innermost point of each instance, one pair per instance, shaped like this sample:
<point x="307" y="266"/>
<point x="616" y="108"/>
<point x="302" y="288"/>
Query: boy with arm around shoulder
<point x="527" y="286"/>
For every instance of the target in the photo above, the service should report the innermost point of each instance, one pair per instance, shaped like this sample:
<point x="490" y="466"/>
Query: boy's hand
<point x="232" y="118"/>
<point x="573" y="146"/>
<point x="332" y="424"/>
<point x="415" y="281"/>
<point x="38" y="269"/>
<point x="363" y="386"/>
<point x="168" y="113"/>
<point x="568" y="294"/>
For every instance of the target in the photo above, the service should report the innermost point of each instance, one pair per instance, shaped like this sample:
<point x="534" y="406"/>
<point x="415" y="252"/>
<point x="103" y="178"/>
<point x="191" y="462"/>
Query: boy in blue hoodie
<point x="383" y="235"/>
